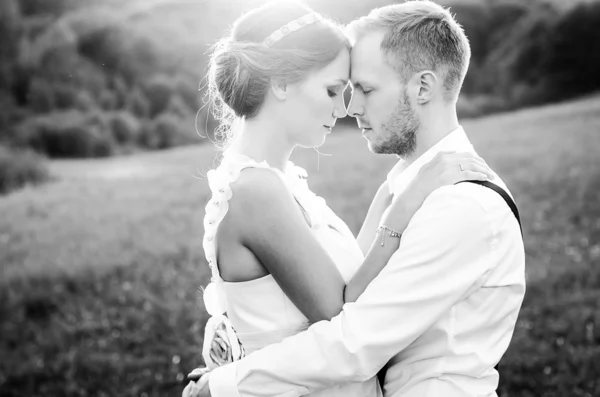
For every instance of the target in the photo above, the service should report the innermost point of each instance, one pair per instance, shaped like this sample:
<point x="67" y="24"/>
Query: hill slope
<point x="100" y="270"/>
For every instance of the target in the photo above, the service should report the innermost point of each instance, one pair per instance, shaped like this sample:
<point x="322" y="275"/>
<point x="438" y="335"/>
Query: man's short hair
<point x="420" y="35"/>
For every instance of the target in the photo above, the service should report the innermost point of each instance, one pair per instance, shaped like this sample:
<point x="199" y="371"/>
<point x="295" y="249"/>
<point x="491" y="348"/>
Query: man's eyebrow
<point x="356" y="84"/>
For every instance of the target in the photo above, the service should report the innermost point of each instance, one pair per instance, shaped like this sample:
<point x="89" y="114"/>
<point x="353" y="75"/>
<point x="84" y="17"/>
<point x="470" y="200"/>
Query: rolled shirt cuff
<point x="222" y="383"/>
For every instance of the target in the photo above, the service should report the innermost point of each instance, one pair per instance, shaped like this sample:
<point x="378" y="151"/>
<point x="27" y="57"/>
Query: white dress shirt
<point x="442" y="311"/>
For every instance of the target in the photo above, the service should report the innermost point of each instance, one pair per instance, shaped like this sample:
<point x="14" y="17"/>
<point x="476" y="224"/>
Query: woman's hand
<point x="446" y="168"/>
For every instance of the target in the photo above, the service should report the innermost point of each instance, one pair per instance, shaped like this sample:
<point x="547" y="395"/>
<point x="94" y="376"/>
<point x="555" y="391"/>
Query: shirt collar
<point x="401" y="174"/>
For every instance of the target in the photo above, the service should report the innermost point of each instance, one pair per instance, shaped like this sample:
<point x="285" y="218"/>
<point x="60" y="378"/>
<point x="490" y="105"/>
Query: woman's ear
<point x="279" y="89"/>
<point x="427" y="86"/>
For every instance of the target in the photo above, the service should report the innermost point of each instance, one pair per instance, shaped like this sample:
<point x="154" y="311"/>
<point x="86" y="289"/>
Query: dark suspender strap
<point x="513" y="207"/>
<point x="509" y="201"/>
<point x="381" y="375"/>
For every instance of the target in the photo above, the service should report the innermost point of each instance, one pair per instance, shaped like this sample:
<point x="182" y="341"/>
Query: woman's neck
<point x="263" y="140"/>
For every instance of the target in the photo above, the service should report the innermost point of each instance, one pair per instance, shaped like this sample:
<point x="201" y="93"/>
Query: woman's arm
<point x="397" y="218"/>
<point x="445" y="169"/>
<point x="271" y="225"/>
<point x="266" y="219"/>
<point x="380" y="202"/>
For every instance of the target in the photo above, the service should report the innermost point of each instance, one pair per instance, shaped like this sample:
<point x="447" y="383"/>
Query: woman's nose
<point x="339" y="110"/>
<point x="339" y="113"/>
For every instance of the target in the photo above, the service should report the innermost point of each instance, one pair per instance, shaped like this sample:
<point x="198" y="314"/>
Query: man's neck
<point x="433" y="129"/>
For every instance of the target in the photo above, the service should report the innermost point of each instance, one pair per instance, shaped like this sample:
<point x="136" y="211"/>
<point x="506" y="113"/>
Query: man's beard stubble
<point x="401" y="130"/>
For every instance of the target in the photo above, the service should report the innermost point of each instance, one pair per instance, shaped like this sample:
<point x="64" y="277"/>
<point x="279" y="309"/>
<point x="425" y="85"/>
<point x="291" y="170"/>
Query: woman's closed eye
<point x="334" y="90"/>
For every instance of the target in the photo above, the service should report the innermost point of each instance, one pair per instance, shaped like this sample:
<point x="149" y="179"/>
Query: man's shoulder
<point x="475" y="193"/>
<point x="457" y="201"/>
<point x="466" y="200"/>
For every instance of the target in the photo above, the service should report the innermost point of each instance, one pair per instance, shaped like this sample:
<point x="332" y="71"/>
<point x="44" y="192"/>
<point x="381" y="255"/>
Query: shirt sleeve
<point x="444" y="254"/>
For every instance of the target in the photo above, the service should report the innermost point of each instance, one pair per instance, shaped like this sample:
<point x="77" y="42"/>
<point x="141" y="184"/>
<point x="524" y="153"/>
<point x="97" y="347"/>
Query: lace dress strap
<point x="219" y="181"/>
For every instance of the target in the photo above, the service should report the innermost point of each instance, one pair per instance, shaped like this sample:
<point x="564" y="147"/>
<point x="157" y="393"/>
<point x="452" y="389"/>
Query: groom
<point x="442" y="312"/>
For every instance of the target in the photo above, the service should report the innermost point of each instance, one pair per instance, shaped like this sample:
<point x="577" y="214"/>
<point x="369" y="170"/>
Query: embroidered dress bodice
<point x="259" y="310"/>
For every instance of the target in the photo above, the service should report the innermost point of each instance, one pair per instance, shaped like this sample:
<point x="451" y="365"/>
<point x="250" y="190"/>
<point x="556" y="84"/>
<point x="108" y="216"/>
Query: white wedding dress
<point x="259" y="310"/>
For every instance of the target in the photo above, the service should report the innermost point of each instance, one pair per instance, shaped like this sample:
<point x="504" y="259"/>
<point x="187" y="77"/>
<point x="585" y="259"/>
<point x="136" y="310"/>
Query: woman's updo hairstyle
<point x="242" y="66"/>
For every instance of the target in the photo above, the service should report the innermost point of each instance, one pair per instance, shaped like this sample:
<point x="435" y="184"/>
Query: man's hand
<point x="198" y="386"/>
<point x="197" y="389"/>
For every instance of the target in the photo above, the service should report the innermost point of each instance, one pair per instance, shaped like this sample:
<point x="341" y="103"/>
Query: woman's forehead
<point x="338" y="69"/>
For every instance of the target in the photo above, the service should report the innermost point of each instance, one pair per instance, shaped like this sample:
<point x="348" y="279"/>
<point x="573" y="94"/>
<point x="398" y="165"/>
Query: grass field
<point x="100" y="269"/>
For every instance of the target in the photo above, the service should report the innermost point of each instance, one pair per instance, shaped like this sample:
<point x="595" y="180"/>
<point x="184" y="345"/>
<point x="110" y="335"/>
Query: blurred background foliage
<point x="83" y="78"/>
<point x="100" y="269"/>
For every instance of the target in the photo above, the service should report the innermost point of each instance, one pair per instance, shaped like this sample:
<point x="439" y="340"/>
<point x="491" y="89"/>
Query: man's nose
<point x="355" y="107"/>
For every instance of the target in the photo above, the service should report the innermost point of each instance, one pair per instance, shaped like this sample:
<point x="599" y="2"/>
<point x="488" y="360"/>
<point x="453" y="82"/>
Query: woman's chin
<point x="315" y="143"/>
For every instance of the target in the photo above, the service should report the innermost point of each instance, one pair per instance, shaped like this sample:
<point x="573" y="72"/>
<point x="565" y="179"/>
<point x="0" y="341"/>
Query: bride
<point x="280" y="258"/>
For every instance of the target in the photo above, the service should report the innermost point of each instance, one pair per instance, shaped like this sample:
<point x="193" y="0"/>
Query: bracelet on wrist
<point x="390" y="233"/>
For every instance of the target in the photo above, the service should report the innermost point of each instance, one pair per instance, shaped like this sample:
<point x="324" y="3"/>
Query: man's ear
<point x="279" y="89"/>
<point x="427" y="83"/>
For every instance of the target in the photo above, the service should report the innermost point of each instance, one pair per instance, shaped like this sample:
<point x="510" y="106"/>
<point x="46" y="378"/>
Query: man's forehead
<point x="366" y="56"/>
<point x="370" y="40"/>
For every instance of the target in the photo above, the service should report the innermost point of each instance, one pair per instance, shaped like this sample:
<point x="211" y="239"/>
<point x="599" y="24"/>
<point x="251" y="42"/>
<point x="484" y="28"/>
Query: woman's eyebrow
<point x="342" y="81"/>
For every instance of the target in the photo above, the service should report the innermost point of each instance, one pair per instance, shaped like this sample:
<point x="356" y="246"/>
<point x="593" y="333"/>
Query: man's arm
<point x="444" y="253"/>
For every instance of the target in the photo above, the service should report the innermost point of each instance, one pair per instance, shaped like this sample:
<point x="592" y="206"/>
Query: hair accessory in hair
<point x="290" y="27"/>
